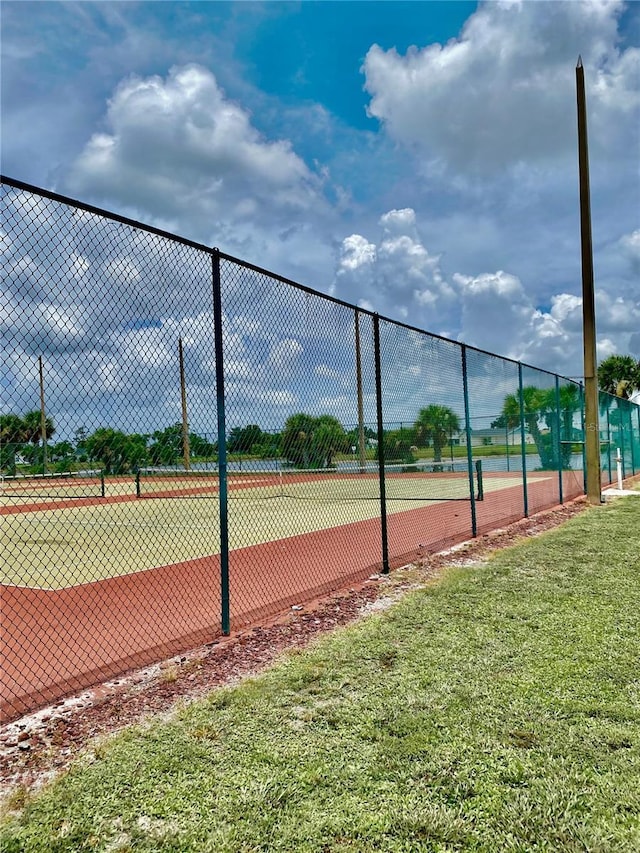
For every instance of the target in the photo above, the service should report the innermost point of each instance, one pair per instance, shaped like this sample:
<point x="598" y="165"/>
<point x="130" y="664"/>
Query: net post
<point x="523" y="446"/>
<point x="480" y="480"/>
<point x="102" y="488"/>
<point x="559" y="441"/>
<point x="383" y="493"/>
<point x="467" y="429"/>
<point x="222" y="444"/>
<point x="138" y="491"/>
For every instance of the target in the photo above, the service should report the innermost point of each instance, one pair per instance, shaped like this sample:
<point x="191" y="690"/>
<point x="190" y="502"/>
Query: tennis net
<point x="52" y="487"/>
<point x="405" y="482"/>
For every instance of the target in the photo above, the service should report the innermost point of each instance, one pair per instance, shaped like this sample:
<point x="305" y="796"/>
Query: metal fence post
<point x="621" y="433"/>
<point x="633" y="455"/>
<point x="467" y="428"/>
<point x="523" y="446"/>
<point x="361" y="442"/>
<point x="584" y="440"/>
<point x="609" y="445"/>
<point x="222" y="442"/>
<point x="559" y="442"/>
<point x="383" y="492"/>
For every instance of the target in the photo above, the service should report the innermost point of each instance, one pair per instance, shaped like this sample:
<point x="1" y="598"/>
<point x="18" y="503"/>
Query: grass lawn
<point x="497" y="709"/>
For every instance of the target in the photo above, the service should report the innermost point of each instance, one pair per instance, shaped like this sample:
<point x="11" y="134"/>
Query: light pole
<point x="592" y="427"/>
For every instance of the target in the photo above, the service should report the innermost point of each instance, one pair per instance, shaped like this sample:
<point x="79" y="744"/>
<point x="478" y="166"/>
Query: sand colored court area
<point x="73" y="543"/>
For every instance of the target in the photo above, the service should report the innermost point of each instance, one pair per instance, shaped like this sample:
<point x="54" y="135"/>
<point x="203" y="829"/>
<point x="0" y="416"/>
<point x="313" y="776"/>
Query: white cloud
<point x="499" y="316"/>
<point x="630" y="245"/>
<point x="503" y="93"/>
<point x="284" y="355"/>
<point x="357" y="252"/>
<point x="397" y="276"/>
<point x="490" y="311"/>
<point x="177" y="152"/>
<point x="178" y="141"/>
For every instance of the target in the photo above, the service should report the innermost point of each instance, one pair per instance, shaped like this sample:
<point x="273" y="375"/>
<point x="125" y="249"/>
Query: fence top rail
<point x="151" y="229"/>
<point x="99" y="211"/>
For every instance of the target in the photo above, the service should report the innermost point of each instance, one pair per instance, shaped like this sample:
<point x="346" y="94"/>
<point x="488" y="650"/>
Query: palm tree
<point x="534" y="403"/>
<point x="619" y="375"/>
<point x="539" y="404"/>
<point x="12" y="434"/>
<point x="437" y="424"/>
<point x="570" y="403"/>
<point x="33" y="426"/>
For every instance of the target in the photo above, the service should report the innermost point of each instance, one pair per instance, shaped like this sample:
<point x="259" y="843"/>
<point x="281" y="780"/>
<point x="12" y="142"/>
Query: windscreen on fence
<point x="189" y="443"/>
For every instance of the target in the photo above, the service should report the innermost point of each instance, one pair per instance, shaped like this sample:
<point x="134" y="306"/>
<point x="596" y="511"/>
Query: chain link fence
<point x="189" y="444"/>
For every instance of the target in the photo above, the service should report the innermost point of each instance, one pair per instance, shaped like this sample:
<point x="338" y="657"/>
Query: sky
<point x="418" y="159"/>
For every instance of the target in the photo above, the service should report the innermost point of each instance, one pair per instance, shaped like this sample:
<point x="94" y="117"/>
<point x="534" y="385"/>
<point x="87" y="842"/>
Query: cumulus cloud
<point x="499" y="316"/>
<point x="503" y="92"/>
<point x="493" y="311"/>
<point x="397" y="274"/>
<point x="177" y="152"/>
<point x="630" y="246"/>
<point x="105" y="305"/>
<point x="179" y="142"/>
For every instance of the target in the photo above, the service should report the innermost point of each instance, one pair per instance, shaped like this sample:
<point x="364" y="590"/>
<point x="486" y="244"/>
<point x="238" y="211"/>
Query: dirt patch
<point x="36" y="747"/>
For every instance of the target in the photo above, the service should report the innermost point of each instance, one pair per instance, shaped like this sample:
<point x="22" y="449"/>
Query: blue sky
<point x="416" y="158"/>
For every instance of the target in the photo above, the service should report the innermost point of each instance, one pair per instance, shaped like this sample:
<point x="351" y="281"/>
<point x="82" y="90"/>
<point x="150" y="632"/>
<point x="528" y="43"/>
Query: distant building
<point x="492" y="436"/>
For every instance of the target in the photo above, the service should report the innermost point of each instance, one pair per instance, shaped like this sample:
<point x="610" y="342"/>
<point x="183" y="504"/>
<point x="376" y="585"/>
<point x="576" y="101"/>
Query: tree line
<point x="309" y="441"/>
<point x="306" y="441"/>
<point x="116" y="451"/>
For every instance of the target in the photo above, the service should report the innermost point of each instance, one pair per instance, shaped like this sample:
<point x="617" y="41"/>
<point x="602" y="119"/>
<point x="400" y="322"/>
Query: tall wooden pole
<point x="43" y="417"/>
<point x="592" y="427"/>
<point x="186" y="454"/>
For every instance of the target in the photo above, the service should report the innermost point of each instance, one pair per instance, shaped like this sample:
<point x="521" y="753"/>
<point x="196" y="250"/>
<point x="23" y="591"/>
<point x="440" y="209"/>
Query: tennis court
<point x="95" y="585"/>
<point x="52" y="540"/>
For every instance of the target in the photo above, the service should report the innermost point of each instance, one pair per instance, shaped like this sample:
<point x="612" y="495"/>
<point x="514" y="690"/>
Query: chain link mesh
<point x="135" y="527"/>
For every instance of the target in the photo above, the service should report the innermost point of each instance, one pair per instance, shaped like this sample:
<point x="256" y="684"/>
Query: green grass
<point x="497" y="709"/>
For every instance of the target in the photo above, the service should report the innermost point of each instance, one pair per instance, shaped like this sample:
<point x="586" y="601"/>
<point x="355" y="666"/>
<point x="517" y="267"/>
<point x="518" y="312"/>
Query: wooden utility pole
<point x="185" y="422"/>
<point x="591" y="424"/>
<point x="43" y="418"/>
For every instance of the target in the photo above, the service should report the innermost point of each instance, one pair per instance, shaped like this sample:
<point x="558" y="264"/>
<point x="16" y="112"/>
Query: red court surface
<point x="56" y="642"/>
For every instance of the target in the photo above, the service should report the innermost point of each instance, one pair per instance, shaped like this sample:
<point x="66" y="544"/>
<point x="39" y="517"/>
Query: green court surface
<point x="61" y="547"/>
